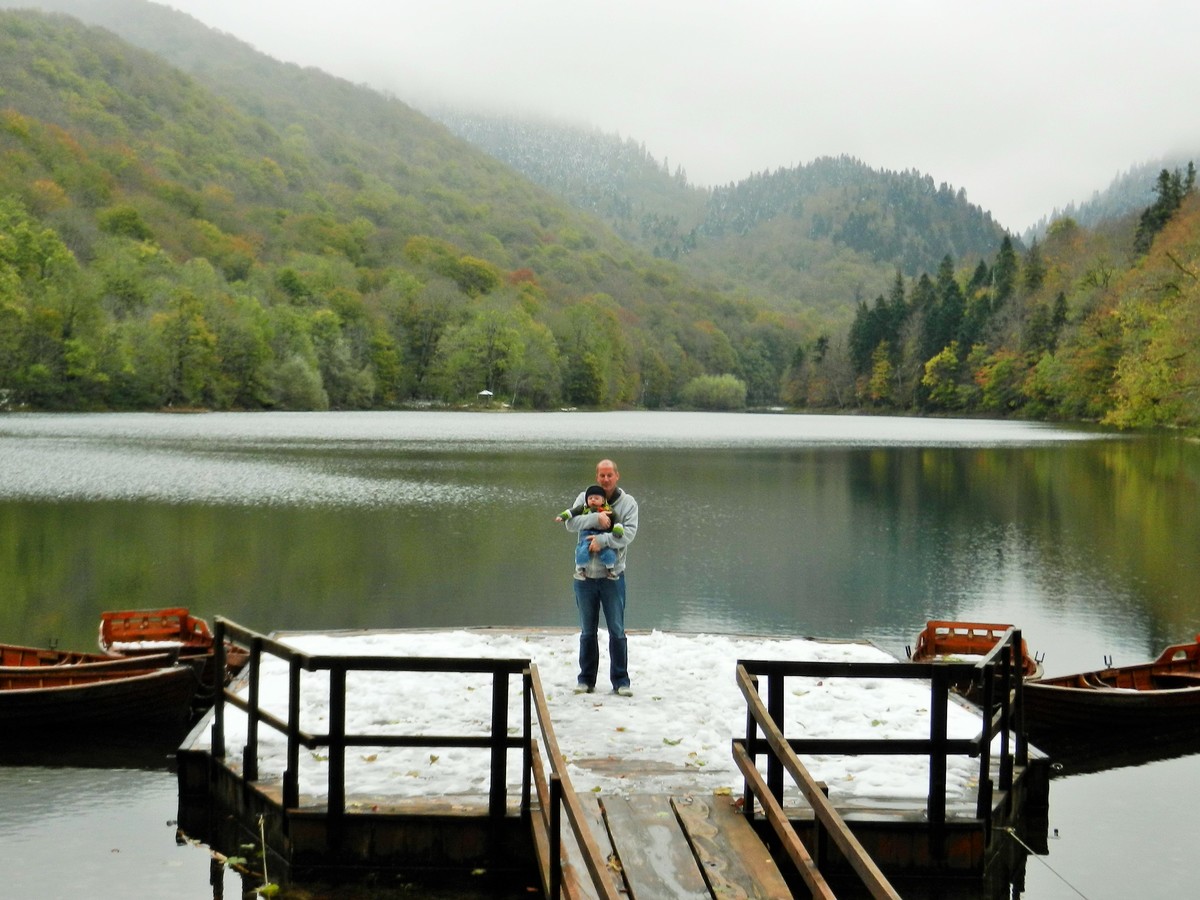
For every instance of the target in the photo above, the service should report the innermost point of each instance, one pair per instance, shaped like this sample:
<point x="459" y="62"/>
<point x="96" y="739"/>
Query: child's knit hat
<point x="594" y="489"/>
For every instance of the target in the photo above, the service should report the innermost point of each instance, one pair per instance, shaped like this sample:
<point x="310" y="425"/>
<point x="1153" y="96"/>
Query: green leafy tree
<point x="583" y="379"/>
<point x="880" y="384"/>
<point x="424" y="322"/>
<point x="33" y="253"/>
<point x="12" y="327"/>
<point x="715" y="392"/>
<point x="480" y="355"/>
<point x="388" y="366"/>
<point x="296" y="384"/>
<point x="535" y="375"/>
<point x="45" y="303"/>
<point x="86" y="382"/>
<point x="474" y="277"/>
<point x="189" y="353"/>
<point x="244" y="353"/>
<point x="124" y="221"/>
<point x="1076" y="381"/>
<point x="594" y="353"/>
<point x="348" y="382"/>
<point x="1000" y="377"/>
<point x="941" y="377"/>
<point x="657" y="380"/>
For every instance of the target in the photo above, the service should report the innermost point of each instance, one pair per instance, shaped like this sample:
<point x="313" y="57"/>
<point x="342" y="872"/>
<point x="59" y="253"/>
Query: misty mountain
<point x="270" y="132"/>
<point x="808" y="235"/>
<point x="1129" y="192"/>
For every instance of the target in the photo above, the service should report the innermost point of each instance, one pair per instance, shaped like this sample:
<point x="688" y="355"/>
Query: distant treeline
<point x="1096" y="325"/>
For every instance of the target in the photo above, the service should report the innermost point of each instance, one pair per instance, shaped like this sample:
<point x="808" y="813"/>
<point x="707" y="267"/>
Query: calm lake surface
<point x="850" y="527"/>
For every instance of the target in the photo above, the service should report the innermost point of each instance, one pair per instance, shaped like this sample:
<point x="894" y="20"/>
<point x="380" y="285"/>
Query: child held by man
<point x="595" y="501"/>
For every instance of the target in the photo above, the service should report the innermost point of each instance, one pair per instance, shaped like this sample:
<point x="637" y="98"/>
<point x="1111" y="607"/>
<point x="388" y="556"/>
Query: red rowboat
<point x="1159" y="695"/>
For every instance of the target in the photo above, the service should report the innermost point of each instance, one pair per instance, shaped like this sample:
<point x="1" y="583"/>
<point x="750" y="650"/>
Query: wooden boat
<point x="968" y="642"/>
<point x="1163" y="694"/>
<point x="17" y="658"/>
<point x="84" y="699"/>
<point x="136" y="633"/>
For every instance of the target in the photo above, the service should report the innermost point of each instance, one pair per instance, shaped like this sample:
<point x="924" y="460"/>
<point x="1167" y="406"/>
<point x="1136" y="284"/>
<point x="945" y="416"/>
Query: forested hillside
<point x="810" y="237"/>
<point x="227" y="231"/>
<point x="613" y="177"/>
<point x="1094" y="324"/>
<point x="299" y="242"/>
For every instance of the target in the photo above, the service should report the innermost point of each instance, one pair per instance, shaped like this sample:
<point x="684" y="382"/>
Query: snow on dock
<point x="672" y="736"/>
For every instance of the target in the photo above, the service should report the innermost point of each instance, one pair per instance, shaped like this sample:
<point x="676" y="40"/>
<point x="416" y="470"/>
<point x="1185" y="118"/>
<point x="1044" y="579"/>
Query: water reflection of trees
<point x="1106" y="517"/>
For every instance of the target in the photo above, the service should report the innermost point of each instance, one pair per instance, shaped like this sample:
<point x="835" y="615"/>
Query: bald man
<point x="599" y="590"/>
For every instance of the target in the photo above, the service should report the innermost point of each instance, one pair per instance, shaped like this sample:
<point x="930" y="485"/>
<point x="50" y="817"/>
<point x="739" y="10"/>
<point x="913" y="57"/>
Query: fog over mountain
<point x="1027" y="106"/>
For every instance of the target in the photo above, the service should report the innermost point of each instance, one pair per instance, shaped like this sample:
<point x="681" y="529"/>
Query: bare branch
<point x="1182" y="268"/>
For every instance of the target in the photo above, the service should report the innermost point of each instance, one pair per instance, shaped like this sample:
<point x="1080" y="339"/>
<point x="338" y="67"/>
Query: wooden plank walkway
<point x="689" y="847"/>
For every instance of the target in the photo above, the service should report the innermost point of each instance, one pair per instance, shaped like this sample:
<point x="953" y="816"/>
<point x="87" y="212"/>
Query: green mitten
<point x="618" y="530"/>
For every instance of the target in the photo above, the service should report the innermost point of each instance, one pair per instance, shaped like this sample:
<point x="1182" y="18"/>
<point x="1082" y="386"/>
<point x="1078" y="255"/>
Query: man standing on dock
<point x="596" y="589"/>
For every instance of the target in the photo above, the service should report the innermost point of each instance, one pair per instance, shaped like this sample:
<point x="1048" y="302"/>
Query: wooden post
<point x="218" y="740"/>
<point x="983" y="803"/>
<point x="526" y="742"/>
<point x="555" y="835"/>
<point x="337" y="751"/>
<point x="775" y="710"/>
<point x="250" y="751"/>
<point x="497" y="795"/>
<point x="938" y="716"/>
<point x="291" y="773"/>
<point x="751" y="735"/>
<point x="1017" y="714"/>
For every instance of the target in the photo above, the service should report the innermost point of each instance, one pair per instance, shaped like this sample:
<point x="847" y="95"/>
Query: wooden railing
<point x="554" y="789"/>
<point x="336" y="741"/>
<point x="999" y="684"/>
<point x="556" y="794"/>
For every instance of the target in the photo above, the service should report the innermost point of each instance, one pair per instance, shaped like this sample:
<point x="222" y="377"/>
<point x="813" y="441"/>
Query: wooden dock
<point x="638" y="842"/>
<point x="682" y="847"/>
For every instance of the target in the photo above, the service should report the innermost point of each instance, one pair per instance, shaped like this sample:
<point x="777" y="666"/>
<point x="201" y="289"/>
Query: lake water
<point x="854" y="527"/>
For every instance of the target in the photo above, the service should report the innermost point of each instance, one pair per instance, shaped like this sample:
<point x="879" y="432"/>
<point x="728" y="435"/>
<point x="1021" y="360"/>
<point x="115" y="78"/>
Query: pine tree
<point x="1035" y="268"/>
<point x="1004" y="273"/>
<point x="1171" y="188"/>
<point x="942" y="324"/>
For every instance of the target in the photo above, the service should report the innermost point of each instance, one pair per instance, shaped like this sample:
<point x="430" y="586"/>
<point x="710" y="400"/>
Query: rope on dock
<point x="1013" y="834"/>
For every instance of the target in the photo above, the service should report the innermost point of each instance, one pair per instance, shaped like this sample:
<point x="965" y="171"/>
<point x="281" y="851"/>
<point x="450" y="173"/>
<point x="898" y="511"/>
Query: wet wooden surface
<point x="693" y="847"/>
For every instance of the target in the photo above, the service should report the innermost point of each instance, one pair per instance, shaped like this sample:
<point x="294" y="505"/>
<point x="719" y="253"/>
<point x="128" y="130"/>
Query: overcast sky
<point x="1027" y="105"/>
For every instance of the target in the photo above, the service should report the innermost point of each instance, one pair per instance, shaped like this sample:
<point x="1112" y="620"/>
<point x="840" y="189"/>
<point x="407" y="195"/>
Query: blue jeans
<point x="583" y="551"/>
<point x="591" y="596"/>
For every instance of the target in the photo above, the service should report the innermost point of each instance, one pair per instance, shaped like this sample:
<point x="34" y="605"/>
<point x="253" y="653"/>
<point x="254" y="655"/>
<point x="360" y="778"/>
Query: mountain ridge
<point x="254" y="234"/>
<point x="822" y="267"/>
